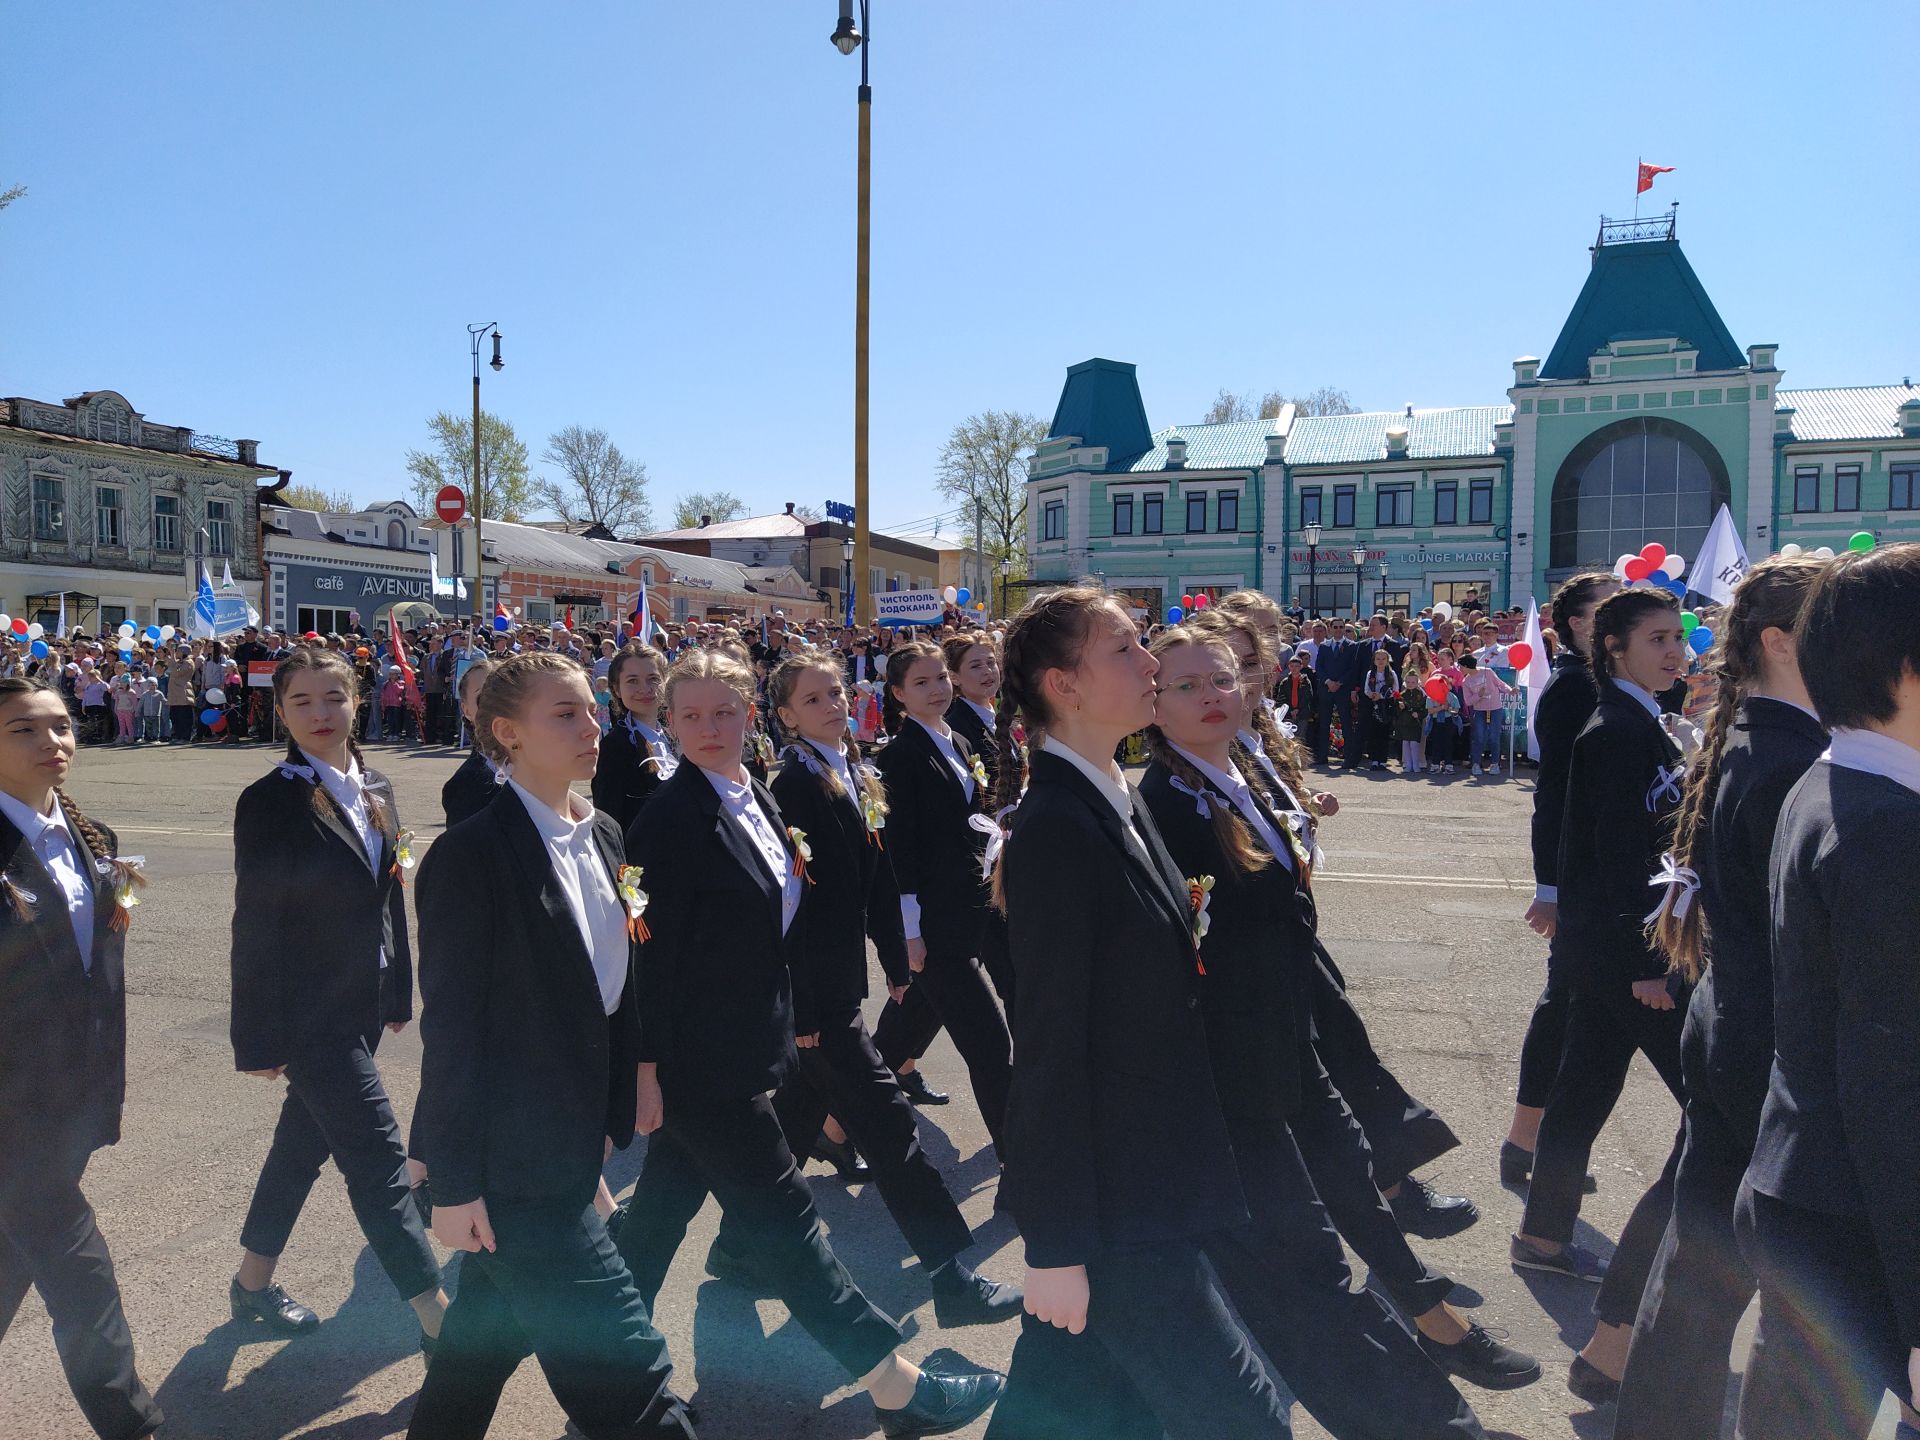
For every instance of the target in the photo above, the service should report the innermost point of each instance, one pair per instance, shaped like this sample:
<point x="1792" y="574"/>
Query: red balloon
<point x="1436" y="688"/>
<point x="1519" y="655"/>
<point x="1186" y="602"/>
<point x="1200" y="602"/>
<point x="1638" y="569"/>
<point x="1653" y="553"/>
<point x="19" y="626"/>
<point x="219" y="726"/>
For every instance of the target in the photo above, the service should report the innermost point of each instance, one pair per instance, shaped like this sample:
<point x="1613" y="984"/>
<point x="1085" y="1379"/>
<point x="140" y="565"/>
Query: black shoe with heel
<point x="845" y="1160"/>
<point x="279" y="1311"/>
<point x="942" y="1403"/>
<point x="918" y="1091"/>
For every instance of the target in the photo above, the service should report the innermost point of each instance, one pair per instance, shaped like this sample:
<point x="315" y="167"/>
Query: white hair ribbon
<point x="1202" y="806"/>
<point x="1666" y="784"/>
<point x="995" y="829"/>
<point x="1672" y="874"/>
<point x="1285" y="726"/>
<point x="299" y="772"/>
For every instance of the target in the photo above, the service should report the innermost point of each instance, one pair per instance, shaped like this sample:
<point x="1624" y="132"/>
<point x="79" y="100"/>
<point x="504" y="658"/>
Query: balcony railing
<point x="1637" y="231"/>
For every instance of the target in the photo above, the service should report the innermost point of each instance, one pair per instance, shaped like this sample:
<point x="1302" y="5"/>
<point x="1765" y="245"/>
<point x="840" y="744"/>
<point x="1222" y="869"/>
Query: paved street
<point x="1421" y="900"/>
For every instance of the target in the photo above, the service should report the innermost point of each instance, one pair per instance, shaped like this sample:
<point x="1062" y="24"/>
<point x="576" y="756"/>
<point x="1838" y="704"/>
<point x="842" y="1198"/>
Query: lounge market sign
<point x="1334" y="559"/>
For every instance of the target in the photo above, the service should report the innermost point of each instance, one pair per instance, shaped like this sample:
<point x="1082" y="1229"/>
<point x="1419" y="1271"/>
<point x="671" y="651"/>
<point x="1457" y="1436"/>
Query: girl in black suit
<point x="937" y="835"/>
<point x="531" y="1032"/>
<point x="471" y="788"/>
<point x="309" y="1000"/>
<point x="1623" y="785"/>
<point x="838" y="802"/>
<point x="719" y="990"/>
<point x="974" y="665"/>
<point x="1119" y="1168"/>
<point x="65" y="898"/>
<point x="636" y="755"/>
<point x="1760" y="739"/>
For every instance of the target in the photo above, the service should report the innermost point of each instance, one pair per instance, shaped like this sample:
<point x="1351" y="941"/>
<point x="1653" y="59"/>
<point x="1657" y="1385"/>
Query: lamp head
<point x="1359" y="556"/>
<point x="846" y="35"/>
<point x="496" y="362"/>
<point x="1311" y="533"/>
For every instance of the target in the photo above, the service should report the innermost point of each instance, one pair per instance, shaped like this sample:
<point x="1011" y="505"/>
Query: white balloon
<point x="126" y="627"/>
<point x="167" y="632"/>
<point x="1443" y="610"/>
<point x="36" y="630"/>
<point x="950" y="594"/>
<point x="1790" y="551"/>
<point x="6" y="622"/>
<point x="1620" y="567"/>
<point x="1825" y="552"/>
<point x="216" y="696"/>
<point x="1674" y="565"/>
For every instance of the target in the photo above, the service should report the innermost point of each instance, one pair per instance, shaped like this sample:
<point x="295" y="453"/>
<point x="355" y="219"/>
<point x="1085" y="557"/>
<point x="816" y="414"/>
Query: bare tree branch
<point x="715" y="505"/>
<point x="598" y="484"/>
<point x="984" y="465"/>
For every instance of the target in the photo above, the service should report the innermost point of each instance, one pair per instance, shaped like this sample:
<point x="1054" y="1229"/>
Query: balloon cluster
<point x="1655" y="565"/>
<point x="1188" y="605"/>
<point x="1860" y="542"/>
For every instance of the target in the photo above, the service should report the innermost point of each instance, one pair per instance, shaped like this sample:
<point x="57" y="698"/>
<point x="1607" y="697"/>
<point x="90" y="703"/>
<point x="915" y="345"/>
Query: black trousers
<point x="1157" y="1328"/>
<point x="1403" y="1132"/>
<point x="1828" y="1347"/>
<point x="955" y="984"/>
<point x="431" y="702"/>
<point x="48" y="1239"/>
<point x="734" y="1151"/>
<point x="1333" y="1147"/>
<point x="1676" y="1379"/>
<point x="1546" y="1039"/>
<point x="1605" y="1026"/>
<point x="336" y="1106"/>
<point x="555" y="1281"/>
<point x="1323" y="711"/>
<point x="844" y="1076"/>
<point x="183" y="722"/>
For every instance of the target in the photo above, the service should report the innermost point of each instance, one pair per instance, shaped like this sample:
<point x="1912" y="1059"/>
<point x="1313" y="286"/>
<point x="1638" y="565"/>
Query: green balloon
<point x="1689" y="622"/>
<point x="1862" y="542"/>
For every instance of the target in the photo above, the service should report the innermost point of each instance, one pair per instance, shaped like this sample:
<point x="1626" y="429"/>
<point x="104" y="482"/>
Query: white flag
<point x="1722" y="560"/>
<point x="226" y="575"/>
<point x="61" y="628"/>
<point x="1533" y="676"/>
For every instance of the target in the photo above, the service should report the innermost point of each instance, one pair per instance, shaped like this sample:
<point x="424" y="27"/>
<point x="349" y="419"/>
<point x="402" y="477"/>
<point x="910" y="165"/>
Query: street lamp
<point x="1006" y="569"/>
<point x="1359" y="564"/>
<point x="1312" y="533"/>
<point x="848" y="37"/>
<point x="1384" y="567"/>
<point x="475" y="334"/>
<point x="846" y="576"/>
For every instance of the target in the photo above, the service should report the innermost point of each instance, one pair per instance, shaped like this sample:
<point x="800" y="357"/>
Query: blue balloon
<point x="501" y="623"/>
<point x="1678" y="587"/>
<point x="1701" y="640"/>
<point x="38" y="650"/>
<point x="153" y="632"/>
<point x="962" y="595"/>
<point x="126" y="652"/>
<point x="1175" y="614"/>
<point x="207" y="717"/>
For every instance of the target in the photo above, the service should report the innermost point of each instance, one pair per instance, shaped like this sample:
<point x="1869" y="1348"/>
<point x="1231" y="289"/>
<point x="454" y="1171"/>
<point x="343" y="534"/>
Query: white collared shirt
<point x="583" y="878"/>
<point x="945" y="745"/>
<point x="837" y="758"/>
<point x="1259" y="753"/>
<point x="985" y="714"/>
<point x="658" y="746"/>
<point x="1871" y="752"/>
<point x="1111" y="784"/>
<point x="1640" y="693"/>
<point x="349" y="792"/>
<point x="739" y="802"/>
<point x="1234" y="786"/>
<point x="57" y="849"/>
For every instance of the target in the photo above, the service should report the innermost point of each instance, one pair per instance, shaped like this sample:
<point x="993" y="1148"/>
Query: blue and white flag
<point x="203" y="607"/>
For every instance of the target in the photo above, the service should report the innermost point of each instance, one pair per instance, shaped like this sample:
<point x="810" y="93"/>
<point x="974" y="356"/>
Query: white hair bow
<point x="1202" y="806"/>
<point x="994" y="827"/>
<point x="1285" y="726"/>
<point x="1671" y="874"/>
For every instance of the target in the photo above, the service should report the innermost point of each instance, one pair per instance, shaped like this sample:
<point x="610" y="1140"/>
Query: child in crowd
<point x="125" y="703"/>
<point x="1484" y="697"/>
<point x="94" y="697"/>
<point x="152" y="705"/>
<point x="1443" y="735"/>
<point x="393" y="699"/>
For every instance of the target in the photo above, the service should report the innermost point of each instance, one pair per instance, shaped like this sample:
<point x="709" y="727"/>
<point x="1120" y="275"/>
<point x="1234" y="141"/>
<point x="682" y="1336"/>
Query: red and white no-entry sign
<point x="450" y="504"/>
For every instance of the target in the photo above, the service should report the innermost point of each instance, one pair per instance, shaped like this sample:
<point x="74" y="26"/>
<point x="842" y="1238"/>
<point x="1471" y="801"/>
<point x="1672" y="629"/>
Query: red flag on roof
<point x="1647" y="172"/>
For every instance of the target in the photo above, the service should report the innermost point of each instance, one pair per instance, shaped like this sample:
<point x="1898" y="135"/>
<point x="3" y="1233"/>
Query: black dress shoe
<point x="918" y="1091"/>
<point x="1572" y="1261"/>
<point x="942" y="1403"/>
<point x="1481" y="1360"/>
<point x="1516" y="1168"/>
<point x="961" y="1297"/>
<point x="1431" y="1216"/>
<point x="1588" y="1384"/>
<point x="844" y="1158"/>
<point x="615" y="1221"/>
<point x="733" y="1268"/>
<point x="278" y="1310"/>
<point x="428" y="1345"/>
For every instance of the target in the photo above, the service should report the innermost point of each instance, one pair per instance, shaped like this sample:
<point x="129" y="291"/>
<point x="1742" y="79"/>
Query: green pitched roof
<point x="1637" y="291"/>
<point x="1852" y="412"/>
<point x="1456" y="432"/>
<point x="1101" y="404"/>
<point x="1235" y="445"/>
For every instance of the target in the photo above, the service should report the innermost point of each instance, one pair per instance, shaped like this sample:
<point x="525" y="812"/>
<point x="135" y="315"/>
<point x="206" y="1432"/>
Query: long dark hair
<point x="900" y="660"/>
<point x="1575" y="595"/>
<point x="632" y="653"/>
<point x="1618" y="616"/>
<point x="780" y="687"/>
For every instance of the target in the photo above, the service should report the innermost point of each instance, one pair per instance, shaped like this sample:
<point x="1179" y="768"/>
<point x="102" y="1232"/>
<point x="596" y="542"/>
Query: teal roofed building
<point x="1646" y="416"/>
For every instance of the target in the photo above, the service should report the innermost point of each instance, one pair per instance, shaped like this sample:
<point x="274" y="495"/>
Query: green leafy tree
<point x="11" y="194"/>
<point x="506" y="486"/>
<point x="312" y="497"/>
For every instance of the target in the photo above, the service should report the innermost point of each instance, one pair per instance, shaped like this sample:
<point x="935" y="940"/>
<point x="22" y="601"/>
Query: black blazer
<point x="1565" y="705"/>
<point x="1837" y="1135"/>
<point x="63" y="1066"/>
<point x="523" y="1073"/>
<point x="964" y="719"/>
<point x="1344" y="661"/>
<point x="1623" y="785"/>
<point x="716" y="996"/>
<point x="1770" y="746"/>
<point x="310" y="918"/>
<point x="625" y="777"/>
<point x="936" y="853"/>
<point x="1114" y="1134"/>
<point x="469" y="790"/>
<point x="1256" y="959"/>
<point x="853" y="897"/>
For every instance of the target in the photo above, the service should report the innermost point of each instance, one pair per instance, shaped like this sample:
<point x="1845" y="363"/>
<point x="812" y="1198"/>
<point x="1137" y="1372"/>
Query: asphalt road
<point x="1420" y="901"/>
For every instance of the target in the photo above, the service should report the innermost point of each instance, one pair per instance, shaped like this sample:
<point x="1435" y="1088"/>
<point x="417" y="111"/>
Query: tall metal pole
<point x="479" y="570"/>
<point x="862" y="519"/>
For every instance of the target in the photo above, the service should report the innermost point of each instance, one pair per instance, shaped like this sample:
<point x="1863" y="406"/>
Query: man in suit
<point x="1327" y="660"/>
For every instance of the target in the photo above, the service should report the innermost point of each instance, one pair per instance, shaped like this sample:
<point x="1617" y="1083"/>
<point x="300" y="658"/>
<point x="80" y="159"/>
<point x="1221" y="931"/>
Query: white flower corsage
<point x="979" y="771"/>
<point x="126" y="874"/>
<point x="635" y="899"/>
<point x="1199" y="897"/>
<point x="402" y="855"/>
<point x="802" y="852"/>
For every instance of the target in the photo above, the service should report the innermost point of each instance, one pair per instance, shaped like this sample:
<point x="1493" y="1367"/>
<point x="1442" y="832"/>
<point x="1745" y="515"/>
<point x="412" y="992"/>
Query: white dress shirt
<point x="349" y="792"/>
<point x="589" y="889"/>
<point x="1260" y="756"/>
<point x="1866" y="750"/>
<point x="57" y="849"/>
<point x="1640" y="693"/>
<point x="739" y="803"/>
<point x="1108" y="780"/>
<point x="1234" y="786"/>
<point x="944" y="744"/>
<point x="658" y="746"/>
<point x="837" y="759"/>
<point x="984" y="713"/>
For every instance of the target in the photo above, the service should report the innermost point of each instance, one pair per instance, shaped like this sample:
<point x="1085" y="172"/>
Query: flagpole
<point x="1637" y="163"/>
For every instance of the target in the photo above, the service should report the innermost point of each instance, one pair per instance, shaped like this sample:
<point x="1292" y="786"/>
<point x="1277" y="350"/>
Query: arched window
<point x="396" y="535"/>
<point x="1633" y="482"/>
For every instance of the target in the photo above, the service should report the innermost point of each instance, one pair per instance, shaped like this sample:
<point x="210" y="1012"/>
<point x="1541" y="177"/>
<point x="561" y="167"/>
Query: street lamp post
<point x="1311" y="533"/>
<point x="1383" y="586"/>
<point x="1006" y="569"/>
<point x="1359" y="564"/>
<point x="848" y="37"/>
<point x="475" y="334"/>
<point x="846" y="576"/>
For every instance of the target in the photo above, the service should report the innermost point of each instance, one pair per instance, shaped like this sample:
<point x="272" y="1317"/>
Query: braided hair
<point x="1617" y="617"/>
<point x="901" y="659"/>
<point x="1284" y="753"/>
<point x="780" y="688"/>
<point x="1580" y="593"/>
<point x="329" y="662"/>
<point x="1230" y="832"/>
<point x="1768" y="598"/>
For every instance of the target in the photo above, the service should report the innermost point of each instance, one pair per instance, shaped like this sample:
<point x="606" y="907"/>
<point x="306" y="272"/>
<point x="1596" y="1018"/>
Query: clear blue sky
<point x="275" y="221"/>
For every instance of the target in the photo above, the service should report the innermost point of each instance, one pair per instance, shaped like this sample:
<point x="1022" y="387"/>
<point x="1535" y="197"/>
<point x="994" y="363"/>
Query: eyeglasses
<point x="1221" y="680"/>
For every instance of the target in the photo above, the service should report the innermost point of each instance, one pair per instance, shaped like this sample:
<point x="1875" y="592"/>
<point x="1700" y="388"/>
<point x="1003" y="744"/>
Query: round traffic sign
<point x="450" y="504"/>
